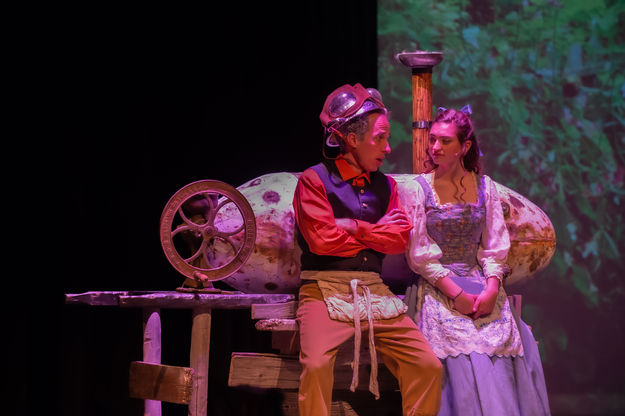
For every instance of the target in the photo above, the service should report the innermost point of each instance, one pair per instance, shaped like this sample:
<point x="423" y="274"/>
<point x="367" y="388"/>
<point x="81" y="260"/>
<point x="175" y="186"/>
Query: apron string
<point x="373" y="377"/>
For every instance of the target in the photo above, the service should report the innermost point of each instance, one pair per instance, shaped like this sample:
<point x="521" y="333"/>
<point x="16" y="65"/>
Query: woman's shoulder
<point x="426" y="177"/>
<point x="489" y="187"/>
<point x="484" y="179"/>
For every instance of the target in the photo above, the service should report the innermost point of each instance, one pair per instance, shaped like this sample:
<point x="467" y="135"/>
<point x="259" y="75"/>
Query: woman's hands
<point x="473" y="306"/>
<point x="484" y="303"/>
<point x="464" y="303"/>
<point x="476" y="306"/>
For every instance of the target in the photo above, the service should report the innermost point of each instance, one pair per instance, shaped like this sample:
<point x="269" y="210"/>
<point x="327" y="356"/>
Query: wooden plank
<point x="277" y="325"/>
<point x="160" y="382"/>
<point x="211" y="300"/>
<point x="174" y="299"/>
<point x="285" y="310"/>
<point x="94" y="298"/>
<point x="263" y="370"/>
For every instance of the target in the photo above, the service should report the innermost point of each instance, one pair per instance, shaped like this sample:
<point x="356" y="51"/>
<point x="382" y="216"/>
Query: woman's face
<point x="444" y="146"/>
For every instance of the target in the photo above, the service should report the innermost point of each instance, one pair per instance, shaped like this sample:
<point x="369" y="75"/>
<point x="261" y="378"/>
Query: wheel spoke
<point x="212" y="212"/>
<point x="197" y="253"/>
<point x="184" y="217"/>
<point x="182" y="228"/>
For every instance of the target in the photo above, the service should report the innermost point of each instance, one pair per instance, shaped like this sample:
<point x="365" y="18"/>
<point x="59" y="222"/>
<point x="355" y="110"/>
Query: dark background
<point x="142" y="102"/>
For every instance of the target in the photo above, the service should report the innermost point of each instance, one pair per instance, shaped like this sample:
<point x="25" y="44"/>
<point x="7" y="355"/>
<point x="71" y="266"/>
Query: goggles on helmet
<point x="345" y="103"/>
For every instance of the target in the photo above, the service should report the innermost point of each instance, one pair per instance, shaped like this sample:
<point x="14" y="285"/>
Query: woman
<point x="458" y="246"/>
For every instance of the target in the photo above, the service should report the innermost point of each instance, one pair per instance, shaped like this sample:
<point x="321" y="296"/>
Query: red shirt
<point x="315" y="219"/>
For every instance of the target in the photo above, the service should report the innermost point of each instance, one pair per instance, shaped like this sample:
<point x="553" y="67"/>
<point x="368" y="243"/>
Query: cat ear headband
<point x="466" y="110"/>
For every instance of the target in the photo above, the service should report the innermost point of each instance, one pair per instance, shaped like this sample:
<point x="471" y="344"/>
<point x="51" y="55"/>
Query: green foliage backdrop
<point x="546" y="83"/>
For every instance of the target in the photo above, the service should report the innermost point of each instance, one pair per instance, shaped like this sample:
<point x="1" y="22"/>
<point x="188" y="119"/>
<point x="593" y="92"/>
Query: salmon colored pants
<point x="403" y="348"/>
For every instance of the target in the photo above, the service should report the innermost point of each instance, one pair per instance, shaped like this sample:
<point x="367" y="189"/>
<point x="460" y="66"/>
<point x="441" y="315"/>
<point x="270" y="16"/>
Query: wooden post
<point x="200" y="343"/>
<point x="421" y="63"/>
<point x="421" y="116"/>
<point x="152" y="352"/>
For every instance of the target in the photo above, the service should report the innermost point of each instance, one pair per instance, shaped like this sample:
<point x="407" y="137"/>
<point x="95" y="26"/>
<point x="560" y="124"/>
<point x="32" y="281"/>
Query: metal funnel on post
<point x="421" y="63"/>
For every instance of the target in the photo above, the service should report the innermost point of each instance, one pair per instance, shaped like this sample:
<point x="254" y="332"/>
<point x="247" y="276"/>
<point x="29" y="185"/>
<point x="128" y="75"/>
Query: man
<point x="348" y="217"/>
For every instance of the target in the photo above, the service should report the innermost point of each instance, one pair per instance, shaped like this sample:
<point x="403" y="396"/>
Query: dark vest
<point x="368" y="203"/>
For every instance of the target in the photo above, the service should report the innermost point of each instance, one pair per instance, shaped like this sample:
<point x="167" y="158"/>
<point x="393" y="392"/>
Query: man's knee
<point x="432" y="366"/>
<point x="426" y="366"/>
<point x="315" y="363"/>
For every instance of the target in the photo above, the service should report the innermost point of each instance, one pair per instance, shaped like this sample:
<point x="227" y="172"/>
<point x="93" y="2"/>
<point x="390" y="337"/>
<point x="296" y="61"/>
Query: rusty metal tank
<point x="273" y="264"/>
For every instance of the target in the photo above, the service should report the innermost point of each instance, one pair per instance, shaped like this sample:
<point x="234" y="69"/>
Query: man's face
<point x="373" y="148"/>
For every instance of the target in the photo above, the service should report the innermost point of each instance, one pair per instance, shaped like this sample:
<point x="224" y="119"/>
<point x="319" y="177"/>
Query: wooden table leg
<point x="152" y="352"/>
<point x="200" y="349"/>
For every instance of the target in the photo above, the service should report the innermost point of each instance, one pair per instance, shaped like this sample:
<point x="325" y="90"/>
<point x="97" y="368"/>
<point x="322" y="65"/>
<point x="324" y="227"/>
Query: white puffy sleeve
<point x="423" y="253"/>
<point x="493" y="249"/>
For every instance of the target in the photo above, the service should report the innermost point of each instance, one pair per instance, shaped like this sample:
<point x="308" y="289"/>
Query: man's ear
<point x="351" y="140"/>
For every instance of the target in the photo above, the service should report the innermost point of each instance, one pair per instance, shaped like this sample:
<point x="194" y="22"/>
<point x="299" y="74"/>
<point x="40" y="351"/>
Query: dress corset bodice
<point x="456" y="228"/>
